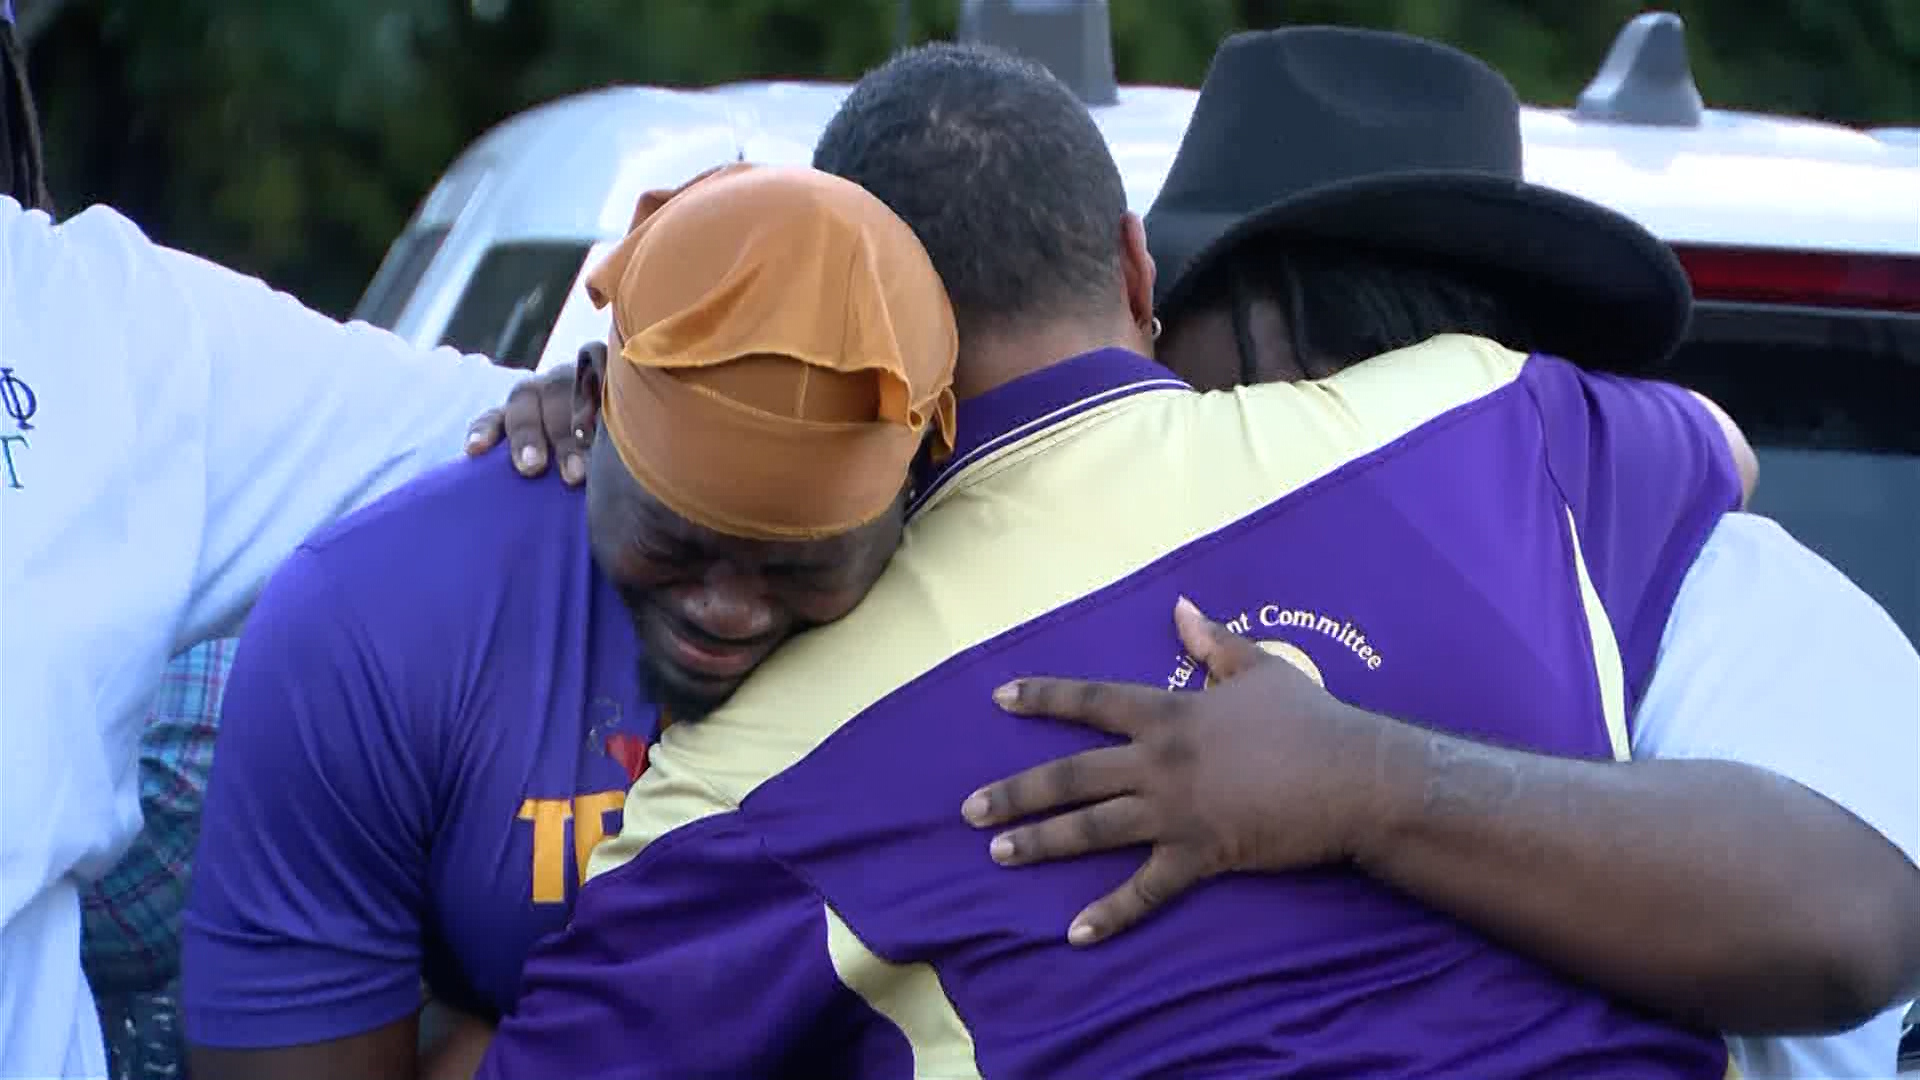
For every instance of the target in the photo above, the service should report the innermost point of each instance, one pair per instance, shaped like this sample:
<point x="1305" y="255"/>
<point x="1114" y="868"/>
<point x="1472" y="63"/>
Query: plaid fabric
<point x="144" y="1035"/>
<point x="131" y="919"/>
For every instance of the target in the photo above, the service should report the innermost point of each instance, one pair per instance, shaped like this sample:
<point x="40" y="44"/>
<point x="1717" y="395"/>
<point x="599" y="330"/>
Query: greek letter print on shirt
<point x="20" y="403"/>
<point x="147" y="522"/>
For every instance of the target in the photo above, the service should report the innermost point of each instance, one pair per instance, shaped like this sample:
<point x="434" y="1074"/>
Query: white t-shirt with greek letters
<point x="169" y="431"/>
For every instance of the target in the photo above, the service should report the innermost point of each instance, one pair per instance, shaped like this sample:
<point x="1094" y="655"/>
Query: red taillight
<point x="1809" y="278"/>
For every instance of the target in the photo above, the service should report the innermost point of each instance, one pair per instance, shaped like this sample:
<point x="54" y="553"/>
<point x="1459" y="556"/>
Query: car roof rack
<point x="1645" y="78"/>
<point x="1071" y="38"/>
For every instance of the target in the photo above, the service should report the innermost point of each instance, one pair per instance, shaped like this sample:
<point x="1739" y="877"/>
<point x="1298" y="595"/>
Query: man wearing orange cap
<point x="764" y="399"/>
<point x="440" y="702"/>
<point x="1453" y="532"/>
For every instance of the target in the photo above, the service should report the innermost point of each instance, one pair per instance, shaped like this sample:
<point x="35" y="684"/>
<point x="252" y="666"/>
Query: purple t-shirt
<point x="434" y="714"/>
<point x="1454" y="534"/>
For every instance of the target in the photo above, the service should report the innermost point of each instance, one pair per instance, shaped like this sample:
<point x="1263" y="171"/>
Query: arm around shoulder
<point x="1774" y="659"/>
<point x="1647" y="470"/>
<point x="308" y="418"/>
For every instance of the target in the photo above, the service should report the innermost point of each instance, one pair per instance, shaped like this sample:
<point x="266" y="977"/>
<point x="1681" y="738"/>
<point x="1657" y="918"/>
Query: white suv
<point x="1802" y="238"/>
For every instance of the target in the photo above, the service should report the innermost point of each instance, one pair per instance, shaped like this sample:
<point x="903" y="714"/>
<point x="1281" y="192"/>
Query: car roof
<point x="573" y="168"/>
<point x="578" y="164"/>
<point x="1639" y="140"/>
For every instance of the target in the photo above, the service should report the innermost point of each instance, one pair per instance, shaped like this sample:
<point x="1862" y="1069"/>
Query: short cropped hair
<point x="998" y="168"/>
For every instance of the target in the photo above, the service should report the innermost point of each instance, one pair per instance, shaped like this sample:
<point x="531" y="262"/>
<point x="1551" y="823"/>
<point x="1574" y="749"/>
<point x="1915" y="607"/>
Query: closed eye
<point x="665" y="555"/>
<point x="810" y="578"/>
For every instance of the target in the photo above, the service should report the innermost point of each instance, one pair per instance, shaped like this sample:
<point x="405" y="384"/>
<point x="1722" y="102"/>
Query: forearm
<point x="1712" y="892"/>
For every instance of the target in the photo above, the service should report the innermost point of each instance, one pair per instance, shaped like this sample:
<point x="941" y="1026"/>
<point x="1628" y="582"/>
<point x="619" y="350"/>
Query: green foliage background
<point x="292" y="138"/>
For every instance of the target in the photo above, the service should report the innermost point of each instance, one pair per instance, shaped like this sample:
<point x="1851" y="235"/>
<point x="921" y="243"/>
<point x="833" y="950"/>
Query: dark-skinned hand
<point x="1262" y="771"/>
<point x="539" y="424"/>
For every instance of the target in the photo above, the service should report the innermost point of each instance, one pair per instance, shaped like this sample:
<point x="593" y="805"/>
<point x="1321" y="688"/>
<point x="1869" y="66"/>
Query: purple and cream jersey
<point x="433" y="717"/>
<point x="1481" y="541"/>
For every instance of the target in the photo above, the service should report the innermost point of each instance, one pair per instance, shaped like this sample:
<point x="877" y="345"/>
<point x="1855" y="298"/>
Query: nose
<point x="729" y="607"/>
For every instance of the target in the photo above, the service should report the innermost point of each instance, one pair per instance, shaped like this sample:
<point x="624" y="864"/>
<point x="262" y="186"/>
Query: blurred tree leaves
<point x="292" y="138"/>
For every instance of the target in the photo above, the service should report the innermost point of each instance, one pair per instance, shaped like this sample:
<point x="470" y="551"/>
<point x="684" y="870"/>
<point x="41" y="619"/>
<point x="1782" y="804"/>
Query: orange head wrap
<point x="781" y="345"/>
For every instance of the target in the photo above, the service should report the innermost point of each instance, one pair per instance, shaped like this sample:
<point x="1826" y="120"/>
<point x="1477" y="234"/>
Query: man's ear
<point x="1137" y="269"/>
<point x="589" y="373"/>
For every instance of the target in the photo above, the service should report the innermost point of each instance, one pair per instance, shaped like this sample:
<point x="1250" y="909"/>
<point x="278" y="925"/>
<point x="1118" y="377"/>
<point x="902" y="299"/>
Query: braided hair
<point x="23" y="167"/>
<point x="1343" y="305"/>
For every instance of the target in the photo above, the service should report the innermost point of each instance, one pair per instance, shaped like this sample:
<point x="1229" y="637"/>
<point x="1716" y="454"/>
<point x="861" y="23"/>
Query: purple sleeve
<point x="1648" y="473"/>
<point x="304" y="919"/>
<point x="702" y="957"/>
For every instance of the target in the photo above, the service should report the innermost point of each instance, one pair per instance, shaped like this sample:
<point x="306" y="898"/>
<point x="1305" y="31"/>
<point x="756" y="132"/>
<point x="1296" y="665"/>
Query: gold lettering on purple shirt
<point x="1260" y="624"/>
<point x="550" y="817"/>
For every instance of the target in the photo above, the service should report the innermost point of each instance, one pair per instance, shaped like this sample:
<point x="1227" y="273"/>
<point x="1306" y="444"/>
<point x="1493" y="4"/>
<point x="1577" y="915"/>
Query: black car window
<point x="510" y="305"/>
<point x="1830" y="398"/>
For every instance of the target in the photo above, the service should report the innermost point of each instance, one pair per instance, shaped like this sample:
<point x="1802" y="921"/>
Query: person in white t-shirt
<point x="169" y="431"/>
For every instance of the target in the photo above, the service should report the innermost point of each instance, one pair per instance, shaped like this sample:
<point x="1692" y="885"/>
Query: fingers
<point x="556" y="422"/>
<point x="1068" y="781"/>
<point x="1116" y="708"/>
<point x="485" y="431"/>
<point x="526" y="430"/>
<point x="1103" y="826"/>
<point x="573" y="460"/>
<point x="1223" y="652"/>
<point x="1160" y="880"/>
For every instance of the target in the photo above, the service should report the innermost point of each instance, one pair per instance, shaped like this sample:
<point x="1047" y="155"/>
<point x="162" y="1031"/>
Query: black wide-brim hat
<point x="1410" y="149"/>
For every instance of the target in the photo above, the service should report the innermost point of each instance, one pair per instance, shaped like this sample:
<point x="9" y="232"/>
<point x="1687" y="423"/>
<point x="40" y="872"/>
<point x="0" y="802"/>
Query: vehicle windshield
<point x="510" y="304"/>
